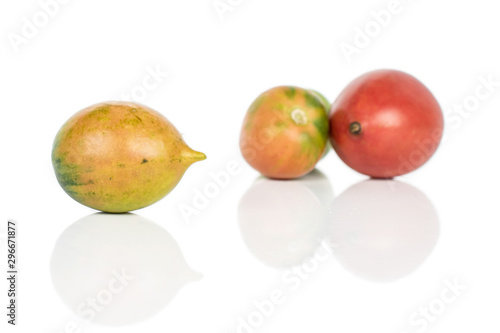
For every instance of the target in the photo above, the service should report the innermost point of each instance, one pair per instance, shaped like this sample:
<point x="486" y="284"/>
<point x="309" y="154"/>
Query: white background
<point x="388" y="264"/>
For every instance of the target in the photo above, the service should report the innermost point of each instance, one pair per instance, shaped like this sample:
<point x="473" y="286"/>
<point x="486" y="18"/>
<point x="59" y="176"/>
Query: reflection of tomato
<point x="284" y="222"/>
<point x="385" y="123"/>
<point x="383" y="230"/>
<point x="96" y="252"/>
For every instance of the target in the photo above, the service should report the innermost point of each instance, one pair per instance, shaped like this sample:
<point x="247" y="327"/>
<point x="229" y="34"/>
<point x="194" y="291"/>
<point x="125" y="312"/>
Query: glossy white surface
<point x="332" y="252"/>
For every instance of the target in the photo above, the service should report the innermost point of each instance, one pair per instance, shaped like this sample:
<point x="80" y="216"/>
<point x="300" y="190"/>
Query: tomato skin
<point x="285" y="132"/>
<point x="117" y="157"/>
<point x="385" y="124"/>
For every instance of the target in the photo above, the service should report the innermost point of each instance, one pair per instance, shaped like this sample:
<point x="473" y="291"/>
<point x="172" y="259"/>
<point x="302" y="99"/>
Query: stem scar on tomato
<point x="355" y="128"/>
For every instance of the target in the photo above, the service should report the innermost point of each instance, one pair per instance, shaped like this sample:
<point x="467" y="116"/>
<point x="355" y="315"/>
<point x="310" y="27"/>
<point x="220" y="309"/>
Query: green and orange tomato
<point x="117" y="157"/>
<point x="285" y="132"/>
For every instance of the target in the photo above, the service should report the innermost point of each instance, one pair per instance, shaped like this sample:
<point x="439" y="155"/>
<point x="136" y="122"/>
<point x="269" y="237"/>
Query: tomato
<point x="385" y="124"/>
<point x="285" y="132"/>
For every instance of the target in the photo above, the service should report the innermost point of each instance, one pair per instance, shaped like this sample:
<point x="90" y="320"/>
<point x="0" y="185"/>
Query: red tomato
<point x="385" y="123"/>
